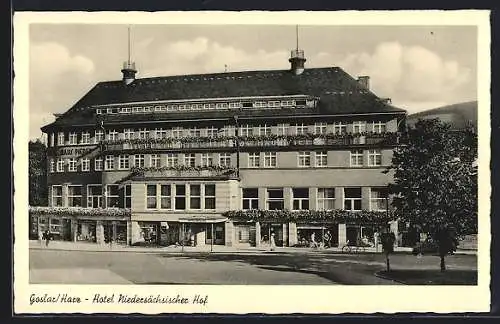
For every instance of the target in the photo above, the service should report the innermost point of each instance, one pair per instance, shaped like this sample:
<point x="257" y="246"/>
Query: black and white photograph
<point x="251" y="153"/>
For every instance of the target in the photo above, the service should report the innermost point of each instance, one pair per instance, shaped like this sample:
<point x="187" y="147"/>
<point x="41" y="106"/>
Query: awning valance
<point x="203" y="220"/>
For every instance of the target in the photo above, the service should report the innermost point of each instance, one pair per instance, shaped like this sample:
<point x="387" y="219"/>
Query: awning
<point x="204" y="220"/>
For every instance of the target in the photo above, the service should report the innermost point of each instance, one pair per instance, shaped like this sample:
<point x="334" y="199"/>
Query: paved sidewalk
<point x="82" y="246"/>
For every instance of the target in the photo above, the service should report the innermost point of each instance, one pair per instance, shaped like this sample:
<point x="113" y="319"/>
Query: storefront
<point x="319" y="233"/>
<point x="86" y="231"/>
<point x="115" y="231"/>
<point x="245" y="233"/>
<point x="279" y="230"/>
<point x="59" y="228"/>
<point x="203" y="230"/>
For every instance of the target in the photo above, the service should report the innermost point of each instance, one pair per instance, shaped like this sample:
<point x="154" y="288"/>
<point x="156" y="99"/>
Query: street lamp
<point x="236" y="133"/>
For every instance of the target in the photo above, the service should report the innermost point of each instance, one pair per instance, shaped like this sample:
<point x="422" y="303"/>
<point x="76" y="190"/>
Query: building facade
<point x="227" y="159"/>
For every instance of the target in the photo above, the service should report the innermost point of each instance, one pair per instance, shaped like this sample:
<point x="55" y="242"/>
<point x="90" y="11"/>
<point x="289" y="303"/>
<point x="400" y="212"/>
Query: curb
<point x="378" y="275"/>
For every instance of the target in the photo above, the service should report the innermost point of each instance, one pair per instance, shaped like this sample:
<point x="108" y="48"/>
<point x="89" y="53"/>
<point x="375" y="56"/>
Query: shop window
<point x="275" y="199"/>
<point x="74" y="196"/>
<point x="300" y="198"/>
<point x="180" y="197"/>
<point x="151" y="196"/>
<point x="210" y="196"/>
<point x="57" y="200"/>
<point x="326" y="198"/>
<point x="94" y="196"/>
<point x="113" y="196"/>
<point x="250" y="198"/>
<point x="352" y="199"/>
<point x="166" y="196"/>
<point x="195" y="196"/>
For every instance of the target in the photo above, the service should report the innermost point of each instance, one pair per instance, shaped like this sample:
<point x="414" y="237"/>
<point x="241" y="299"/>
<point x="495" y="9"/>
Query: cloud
<point x="410" y="74"/>
<point x="56" y="80"/>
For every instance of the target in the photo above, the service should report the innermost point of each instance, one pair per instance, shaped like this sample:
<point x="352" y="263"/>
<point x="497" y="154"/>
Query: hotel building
<point x="226" y="159"/>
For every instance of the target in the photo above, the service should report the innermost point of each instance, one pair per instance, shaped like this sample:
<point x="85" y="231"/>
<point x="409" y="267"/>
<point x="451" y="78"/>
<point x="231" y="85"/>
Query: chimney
<point x="364" y="81"/>
<point x="129" y="72"/>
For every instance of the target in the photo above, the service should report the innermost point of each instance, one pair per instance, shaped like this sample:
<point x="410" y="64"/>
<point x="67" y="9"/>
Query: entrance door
<point x="352" y="234"/>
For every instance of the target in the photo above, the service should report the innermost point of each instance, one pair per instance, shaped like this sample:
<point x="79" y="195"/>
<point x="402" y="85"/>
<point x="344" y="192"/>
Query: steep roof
<point x="339" y="93"/>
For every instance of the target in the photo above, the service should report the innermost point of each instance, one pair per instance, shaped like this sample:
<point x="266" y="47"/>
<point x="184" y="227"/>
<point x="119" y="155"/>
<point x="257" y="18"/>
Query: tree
<point x="37" y="173"/>
<point x="435" y="182"/>
<point x="387" y="239"/>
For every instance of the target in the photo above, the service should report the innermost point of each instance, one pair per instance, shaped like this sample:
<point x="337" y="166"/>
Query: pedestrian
<point x="376" y="238"/>
<point x="47" y="237"/>
<point x="328" y="238"/>
<point x="272" y="242"/>
<point x="40" y="237"/>
<point x="313" y="240"/>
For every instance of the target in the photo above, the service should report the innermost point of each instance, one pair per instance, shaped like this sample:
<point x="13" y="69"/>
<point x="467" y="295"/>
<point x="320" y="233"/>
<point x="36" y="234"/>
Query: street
<point x="245" y="268"/>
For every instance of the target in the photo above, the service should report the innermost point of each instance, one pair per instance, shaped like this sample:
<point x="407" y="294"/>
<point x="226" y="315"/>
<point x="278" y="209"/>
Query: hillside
<point x="457" y="114"/>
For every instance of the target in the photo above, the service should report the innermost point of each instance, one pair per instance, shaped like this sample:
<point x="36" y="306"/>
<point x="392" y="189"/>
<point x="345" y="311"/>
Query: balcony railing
<point x="185" y="172"/>
<point x="253" y="141"/>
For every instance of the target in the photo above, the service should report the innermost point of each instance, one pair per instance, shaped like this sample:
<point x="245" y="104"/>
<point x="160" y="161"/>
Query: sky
<point x="418" y="67"/>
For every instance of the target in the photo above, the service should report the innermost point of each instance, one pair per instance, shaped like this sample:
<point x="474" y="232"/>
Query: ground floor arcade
<point x="204" y="231"/>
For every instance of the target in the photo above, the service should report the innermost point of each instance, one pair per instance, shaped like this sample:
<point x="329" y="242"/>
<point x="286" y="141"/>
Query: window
<point x="194" y="132"/>
<point x="112" y="196"/>
<point x="304" y="159"/>
<point x="128" y="133"/>
<point x="378" y="199"/>
<point x="225" y="159"/>
<point x="321" y="159"/>
<point x="210" y="196"/>
<point x="260" y="104"/>
<point x="246" y="130"/>
<point x="282" y="129"/>
<point x="112" y="135"/>
<point x="300" y="198"/>
<point x="274" y="104"/>
<point x="326" y="198"/>
<point x="356" y="158"/>
<point x="85" y="164"/>
<point x="247" y="104"/>
<point x="212" y="132"/>
<point x="94" y="196"/>
<point x="339" y="128"/>
<point x="57" y="196"/>
<point x="127" y="197"/>
<point x="85" y="138"/>
<point x="172" y="160"/>
<point x="60" y="138"/>
<point x="250" y="198"/>
<point x="288" y="103"/>
<point x="72" y="165"/>
<point x="270" y="159"/>
<point x="109" y="162"/>
<point x="74" y="196"/>
<point x="234" y="105"/>
<point x="352" y="199"/>
<point x="378" y="127"/>
<point x="143" y="133"/>
<point x="319" y="128"/>
<point x="160" y="133"/>
<point x="275" y="199"/>
<point x="98" y="164"/>
<point x="358" y="127"/>
<point x="227" y="131"/>
<point x="52" y="165"/>
<point x="264" y="130"/>
<point x="139" y="160"/>
<point x="52" y="139"/>
<point x="72" y="138"/>
<point x="300" y="129"/>
<point x="151" y="196"/>
<point x="374" y="157"/>
<point x="123" y="162"/>
<point x="189" y="160"/>
<point x="180" y="197"/>
<point x="60" y="165"/>
<point x="155" y="160"/>
<point x="165" y="196"/>
<point x="254" y="160"/>
<point x="99" y="136"/>
<point x="206" y="159"/>
<point x="195" y="196"/>
<point x="177" y="132"/>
